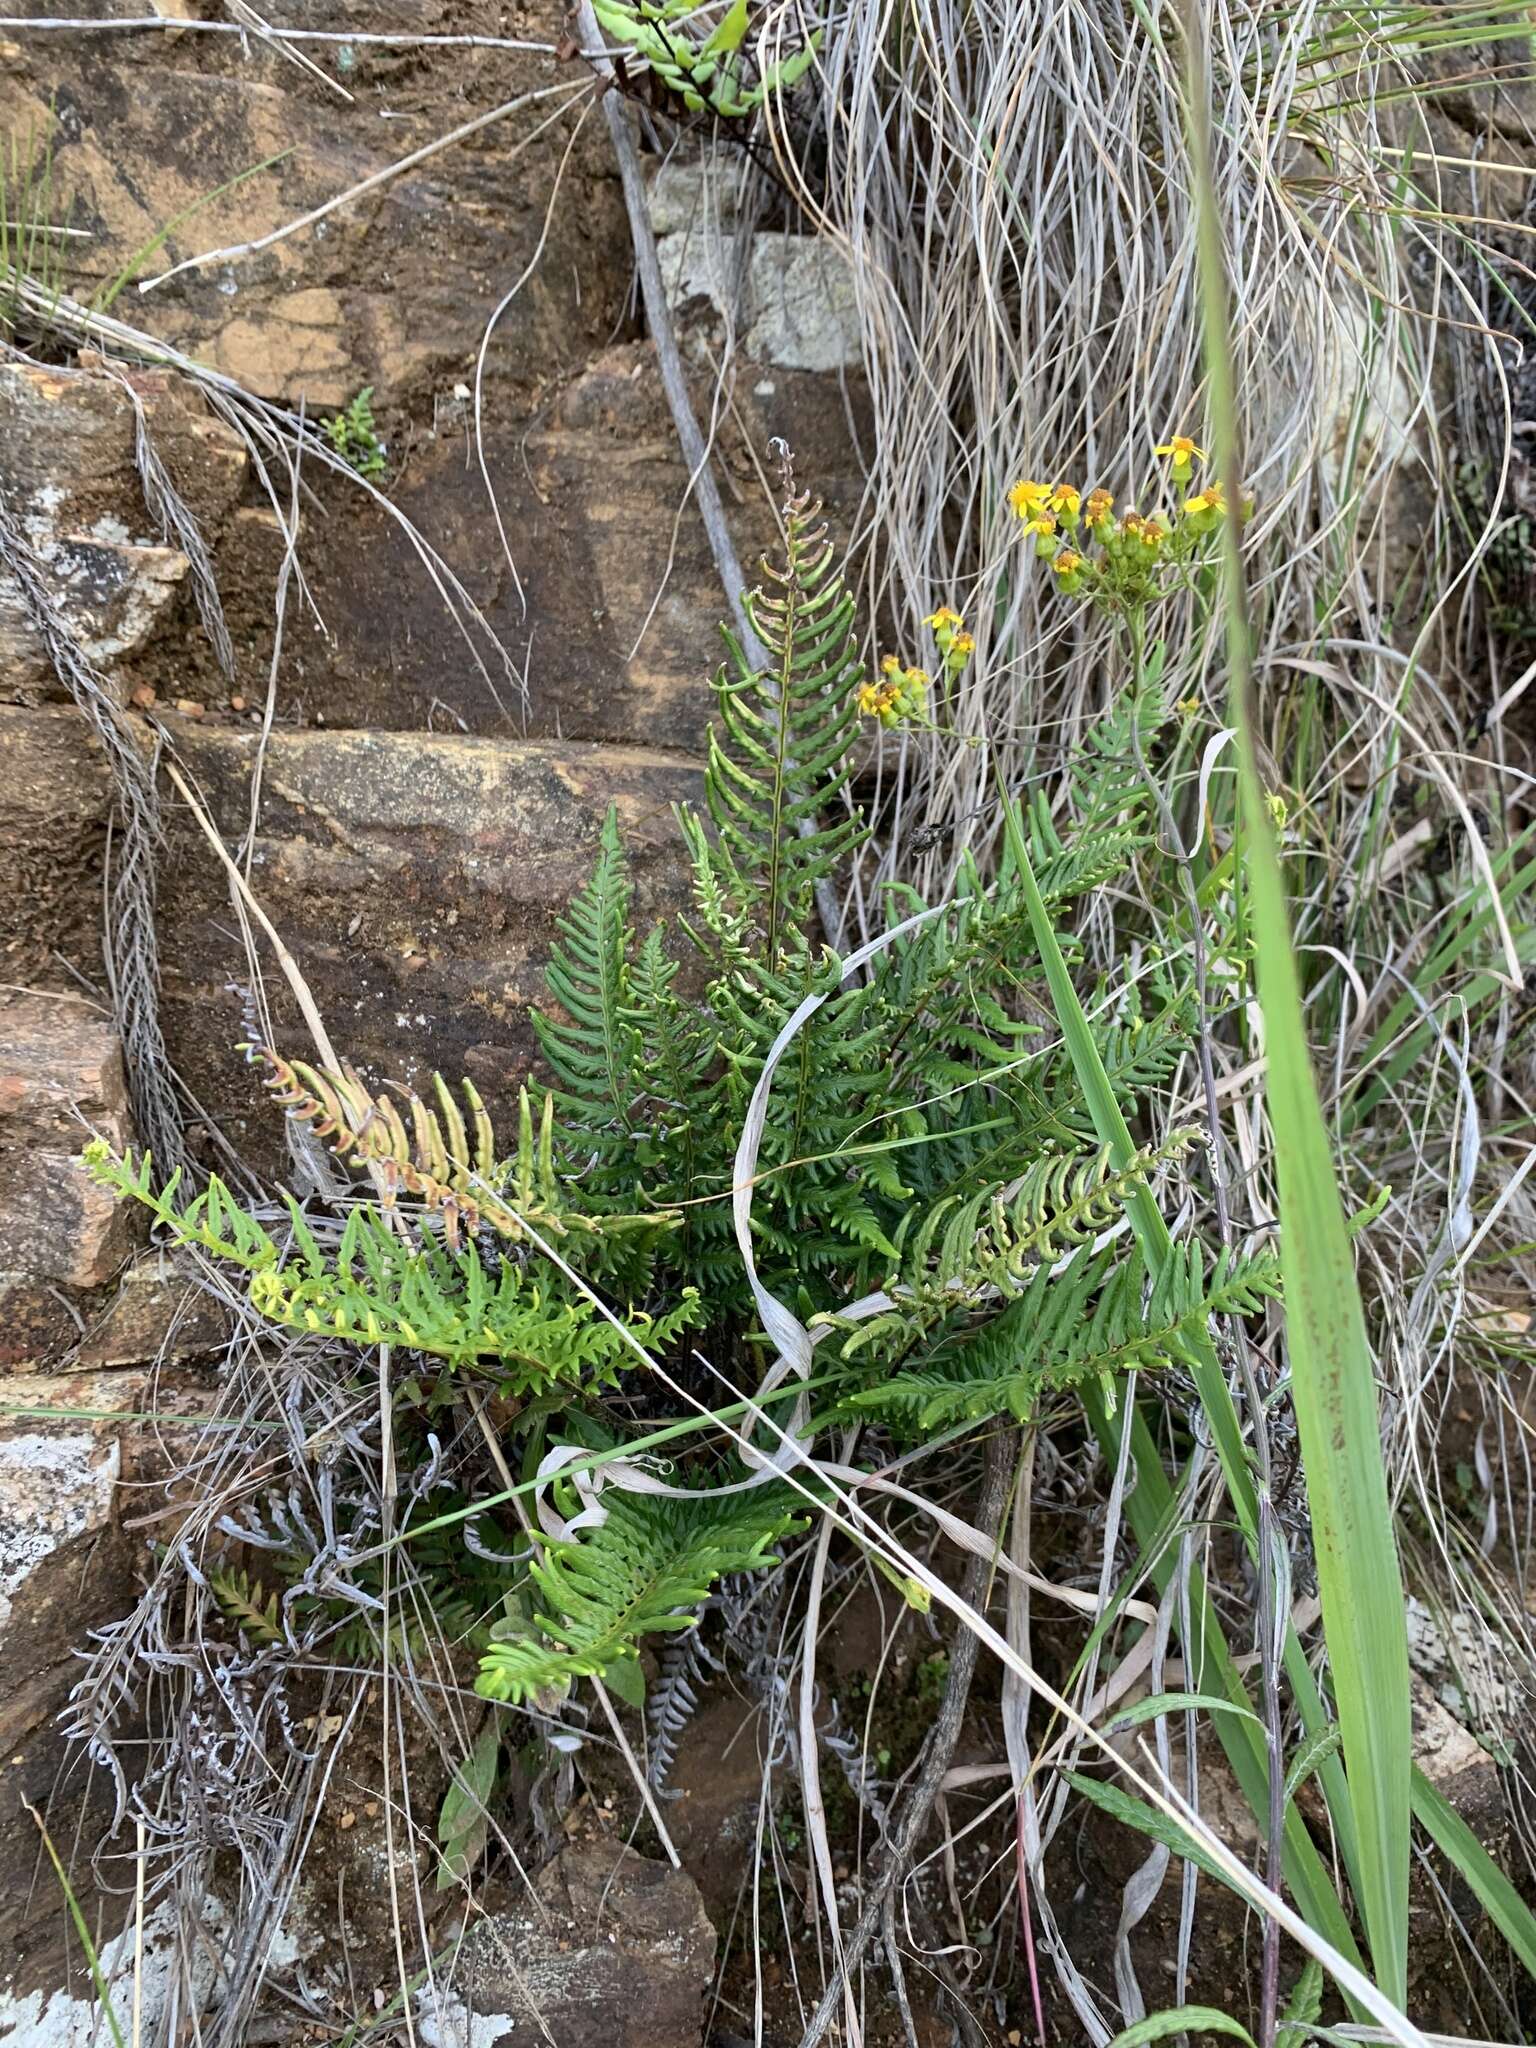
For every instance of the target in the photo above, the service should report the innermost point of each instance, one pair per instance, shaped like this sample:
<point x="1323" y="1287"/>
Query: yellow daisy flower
<point x="1027" y="499"/>
<point x="1184" y="455"/>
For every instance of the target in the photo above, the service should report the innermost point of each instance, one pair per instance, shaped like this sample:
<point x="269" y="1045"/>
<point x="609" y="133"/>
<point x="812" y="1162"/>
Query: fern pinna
<point x="925" y="1138"/>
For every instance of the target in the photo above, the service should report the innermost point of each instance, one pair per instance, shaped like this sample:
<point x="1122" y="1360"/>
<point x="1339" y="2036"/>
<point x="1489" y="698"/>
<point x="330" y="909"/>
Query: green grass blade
<point x="1333" y="1385"/>
<point x="1456" y="1841"/>
<point x="1151" y="1500"/>
<point x="1333" y="1391"/>
<point x="82" y="1934"/>
<point x="110" y="293"/>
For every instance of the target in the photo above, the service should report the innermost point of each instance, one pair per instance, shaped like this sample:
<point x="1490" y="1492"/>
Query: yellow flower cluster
<point x="1119" y="563"/>
<point x="955" y="644"/>
<point x="901" y="693"/>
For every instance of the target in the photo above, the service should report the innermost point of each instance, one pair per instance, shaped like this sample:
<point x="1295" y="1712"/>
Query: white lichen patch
<point x="180" y="1964"/>
<point x="53" y="1489"/>
<point x="797" y="301"/>
<point x="445" y="2021"/>
<point x="61" y="2019"/>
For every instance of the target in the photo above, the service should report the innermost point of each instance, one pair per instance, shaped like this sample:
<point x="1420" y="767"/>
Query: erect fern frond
<point x="1107" y="787"/>
<point x="778" y="757"/>
<point x="995" y="1238"/>
<point x="649" y="1566"/>
<point x="593" y="1052"/>
<point x="672" y="1702"/>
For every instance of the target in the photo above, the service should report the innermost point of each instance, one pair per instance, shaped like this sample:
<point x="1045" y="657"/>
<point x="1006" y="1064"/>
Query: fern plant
<point x="353" y="433"/>
<point x="925" y="1138"/>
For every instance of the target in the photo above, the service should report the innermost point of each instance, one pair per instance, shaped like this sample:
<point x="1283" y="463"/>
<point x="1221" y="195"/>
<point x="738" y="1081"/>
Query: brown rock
<point x="297" y="342"/>
<point x="614" y="613"/>
<point x="67" y="439"/>
<point x="69" y="473"/>
<point x="39" y="1323"/>
<point x="158" y="1315"/>
<point x="1458" y="1766"/>
<point x="55" y="797"/>
<point x="417" y="879"/>
<point x="392" y="288"/>
<point x="612" y="1951"/>
<point x="61" y="1082"/>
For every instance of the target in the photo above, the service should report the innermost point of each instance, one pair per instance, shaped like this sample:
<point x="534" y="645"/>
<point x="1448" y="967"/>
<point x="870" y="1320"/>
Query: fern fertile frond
<point x="593" y="1051"/>
<point x="778" y="756"/>
<point x="998" y="1240"/>
<point x="445" y="1161"/>
<point x="649" y="1566"/>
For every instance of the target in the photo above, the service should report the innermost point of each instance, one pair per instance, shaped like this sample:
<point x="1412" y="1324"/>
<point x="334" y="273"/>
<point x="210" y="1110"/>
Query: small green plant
<point x="711" y="72"/>
<point x="32" y="237"/>
<point x="354" y="435"/>
<point x="930" y="1163"/>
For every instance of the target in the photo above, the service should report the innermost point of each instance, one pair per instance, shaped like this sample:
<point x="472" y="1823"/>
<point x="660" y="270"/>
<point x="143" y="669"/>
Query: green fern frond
<point x="1094" y="1321"/>
<point x="996" y="1237"/>
<point x="647" y="1567"/>
<point x="1107" y="789"/>
<point x="213" y="1221"/>
<point x="380" y="1285"/>
<point x="381" y="1289"/>
<point x="593" y="1051"/>
<point x="779" y="755"/>
<point x="247" y="1605"/>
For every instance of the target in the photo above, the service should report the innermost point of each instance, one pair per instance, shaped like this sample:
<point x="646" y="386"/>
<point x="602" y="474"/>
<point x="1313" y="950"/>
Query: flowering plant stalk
<point x="1121" y="564"/>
